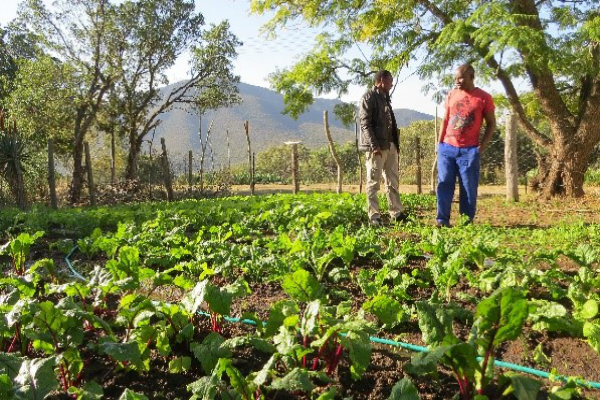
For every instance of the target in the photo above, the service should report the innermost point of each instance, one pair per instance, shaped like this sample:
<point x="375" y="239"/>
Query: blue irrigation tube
<point x="404" y="345"/>
<point x="73" y="271"/>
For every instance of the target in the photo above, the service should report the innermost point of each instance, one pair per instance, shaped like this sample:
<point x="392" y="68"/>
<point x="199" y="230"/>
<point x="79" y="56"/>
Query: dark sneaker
<point x="376" y="222"/>
<point x="402" y="217"/>
<point x="441" y="224"/>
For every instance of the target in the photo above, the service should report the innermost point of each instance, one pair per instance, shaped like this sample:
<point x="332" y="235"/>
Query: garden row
<point x="147" y="312"/>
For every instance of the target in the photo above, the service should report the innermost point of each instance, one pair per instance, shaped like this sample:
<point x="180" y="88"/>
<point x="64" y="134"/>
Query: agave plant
<point x="12" y="155"/>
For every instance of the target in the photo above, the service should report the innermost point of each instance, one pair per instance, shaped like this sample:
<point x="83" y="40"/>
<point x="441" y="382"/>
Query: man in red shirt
<point x="460" y="146"/>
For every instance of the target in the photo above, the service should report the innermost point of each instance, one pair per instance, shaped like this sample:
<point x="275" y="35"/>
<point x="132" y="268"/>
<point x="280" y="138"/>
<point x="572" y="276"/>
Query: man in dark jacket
<point x="379" y="138"/>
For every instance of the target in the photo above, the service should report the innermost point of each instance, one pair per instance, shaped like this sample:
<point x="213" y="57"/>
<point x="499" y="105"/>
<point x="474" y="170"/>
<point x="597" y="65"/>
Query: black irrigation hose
<point x="408" y="346"/>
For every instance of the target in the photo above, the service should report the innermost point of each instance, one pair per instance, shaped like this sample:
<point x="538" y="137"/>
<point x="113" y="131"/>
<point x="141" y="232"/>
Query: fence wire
<point x="273" y="166"/>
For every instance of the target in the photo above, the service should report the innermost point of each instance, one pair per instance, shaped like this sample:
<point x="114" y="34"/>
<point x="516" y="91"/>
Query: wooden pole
<point x="360" y="166"/>
<point x="418" y="163"/>
<point x="253" y="170"/>
<point x="52" y="175"/>
<point x="333" y="152"/>
<point x="166" y="172"/>
<point x="203" y="146"/>
<point x="510" y="159"/>
<point x="435" y="150"/>
<point x="247" y="130"/>
<point x="295" y="175"/>
<point x="190" y="171"/>
<point x="113" y="158"/>
<point x="90" y="174"/>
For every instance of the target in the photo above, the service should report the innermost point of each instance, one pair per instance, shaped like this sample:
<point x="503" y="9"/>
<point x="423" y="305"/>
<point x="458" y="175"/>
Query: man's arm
<point x="443" y="126"/>
<point x="490" y="127"/>
<point x="366" y="123"/>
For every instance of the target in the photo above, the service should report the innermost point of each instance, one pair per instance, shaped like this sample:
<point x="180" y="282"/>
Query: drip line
<point x="404" y="345"/>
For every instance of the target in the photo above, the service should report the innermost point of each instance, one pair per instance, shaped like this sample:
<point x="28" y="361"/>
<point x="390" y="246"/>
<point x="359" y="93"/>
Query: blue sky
<point x="259" y="56"/>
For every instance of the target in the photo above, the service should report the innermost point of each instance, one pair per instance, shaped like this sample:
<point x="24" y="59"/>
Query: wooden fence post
<point x="333" y="152"/>
<point x="510" y="159"/>
<point x="166" y="172"/>
<point x="203" y="146"/>
<point x="295" y="174"/>
<point x="418" y="163"/>
<point x="190" y="171"/>
<point x="247" y="130"/>
<point x="253" y="170"/>
<point x="52" y="175"/>
<point x="90" y="174"/>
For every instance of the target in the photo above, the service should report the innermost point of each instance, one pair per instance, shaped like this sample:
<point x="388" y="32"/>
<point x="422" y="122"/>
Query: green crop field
<point x="275" y="296"/>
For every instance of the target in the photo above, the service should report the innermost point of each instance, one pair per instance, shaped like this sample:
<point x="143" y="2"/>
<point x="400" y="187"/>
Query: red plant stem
<point x="319" y="354"/>
<point x="488" y="353"/>
<point x="64" y="378"/>
<point x="257" y="394"/>
<point x="305" y="344"/>
<point x="336" y="359"/>
<point x="463" y="385"/>
<point x="173" y="324"/>
<point x="12" y="344"/>
<point x="16" y="337"/>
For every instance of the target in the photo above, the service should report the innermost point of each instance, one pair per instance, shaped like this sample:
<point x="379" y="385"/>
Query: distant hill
<point x="268" y="127"/>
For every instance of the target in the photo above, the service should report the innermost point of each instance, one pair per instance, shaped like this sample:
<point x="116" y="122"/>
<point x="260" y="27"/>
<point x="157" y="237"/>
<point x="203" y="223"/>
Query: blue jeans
<point x="453" y="162"/>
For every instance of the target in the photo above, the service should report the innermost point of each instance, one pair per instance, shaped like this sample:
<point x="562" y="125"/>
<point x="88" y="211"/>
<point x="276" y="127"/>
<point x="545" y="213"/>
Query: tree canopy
<point x="552" y="45"/>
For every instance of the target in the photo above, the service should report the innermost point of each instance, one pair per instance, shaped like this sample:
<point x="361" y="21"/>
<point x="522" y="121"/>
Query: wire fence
<point x="221" y="168"/>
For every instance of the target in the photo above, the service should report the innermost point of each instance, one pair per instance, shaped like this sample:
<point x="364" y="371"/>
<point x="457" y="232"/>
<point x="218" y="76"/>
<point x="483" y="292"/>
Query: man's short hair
<point x="468" y="68"/>
<point x="379" y="75"/>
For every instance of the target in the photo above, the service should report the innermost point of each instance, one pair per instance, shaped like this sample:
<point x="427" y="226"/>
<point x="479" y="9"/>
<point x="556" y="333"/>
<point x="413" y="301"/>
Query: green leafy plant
<point x="18" y="250"/>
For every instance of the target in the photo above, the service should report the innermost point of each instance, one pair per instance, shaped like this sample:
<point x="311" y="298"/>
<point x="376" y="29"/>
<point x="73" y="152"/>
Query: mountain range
<point x="268" y="127"/>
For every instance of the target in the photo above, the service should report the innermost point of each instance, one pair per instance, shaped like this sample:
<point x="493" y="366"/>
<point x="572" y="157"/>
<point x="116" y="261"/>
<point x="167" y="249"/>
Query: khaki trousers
<point x="387" y="163"/>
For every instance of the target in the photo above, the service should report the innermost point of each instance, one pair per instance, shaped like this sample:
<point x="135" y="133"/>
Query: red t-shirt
<point x="464" y="113"/>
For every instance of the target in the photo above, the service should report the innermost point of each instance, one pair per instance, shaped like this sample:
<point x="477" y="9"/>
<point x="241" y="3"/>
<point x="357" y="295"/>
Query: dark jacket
<point x="374" y="134"/>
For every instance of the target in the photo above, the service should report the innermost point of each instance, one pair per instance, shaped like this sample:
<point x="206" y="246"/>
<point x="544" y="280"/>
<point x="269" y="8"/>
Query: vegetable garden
<point x="294" y="297"/>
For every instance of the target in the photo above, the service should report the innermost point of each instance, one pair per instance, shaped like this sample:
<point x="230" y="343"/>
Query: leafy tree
<point x="553" y="44"/>
<point x="81" y="33"/>
<point x="42" y="102"/>
<point x="15" y="44"/>
<point x="155" y="33"/>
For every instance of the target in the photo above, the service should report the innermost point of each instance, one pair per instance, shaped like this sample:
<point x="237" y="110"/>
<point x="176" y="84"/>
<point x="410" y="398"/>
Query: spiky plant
<point x="13" y="153"/>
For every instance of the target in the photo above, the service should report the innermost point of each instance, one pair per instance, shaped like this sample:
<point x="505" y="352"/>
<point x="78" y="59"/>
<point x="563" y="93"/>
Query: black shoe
<point x="376" y="222"/>
<point x="402" y="217"/>
<point x="442" y="224"/>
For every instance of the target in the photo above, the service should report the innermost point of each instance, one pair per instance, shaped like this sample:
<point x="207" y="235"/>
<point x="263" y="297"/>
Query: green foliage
<point x="546" y="40"/>
<point x="210" y="351"/>
<point x="143" y="253"/>
<point x="32" y="379"/>
<point x="302" y="286"/>
<point x="404" y="390"/>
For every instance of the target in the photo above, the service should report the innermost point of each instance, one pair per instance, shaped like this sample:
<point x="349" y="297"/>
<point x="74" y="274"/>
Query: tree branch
<point x="501" y="74"/>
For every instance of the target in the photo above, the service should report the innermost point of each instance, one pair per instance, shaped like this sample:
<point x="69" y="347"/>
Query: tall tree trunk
<point x="562" y="172"/>
<point x="78" y="172"/>
<point x="135" y="146"/>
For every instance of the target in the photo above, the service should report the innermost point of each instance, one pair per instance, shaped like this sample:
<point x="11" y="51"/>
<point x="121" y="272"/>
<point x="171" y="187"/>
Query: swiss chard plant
<point x="498" y="319"/>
